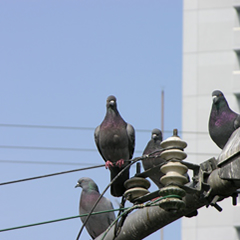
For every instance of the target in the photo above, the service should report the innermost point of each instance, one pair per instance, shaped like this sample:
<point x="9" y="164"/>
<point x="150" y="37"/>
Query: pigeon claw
<point x="108" y="164"/>
<point x="120" y="163"/>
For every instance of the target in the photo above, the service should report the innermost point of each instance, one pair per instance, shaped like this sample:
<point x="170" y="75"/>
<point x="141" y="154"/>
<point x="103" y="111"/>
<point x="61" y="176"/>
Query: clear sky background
<point x="59" y="61"/>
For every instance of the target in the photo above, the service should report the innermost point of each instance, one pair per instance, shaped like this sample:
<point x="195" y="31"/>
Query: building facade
<point x="211" y="61"/>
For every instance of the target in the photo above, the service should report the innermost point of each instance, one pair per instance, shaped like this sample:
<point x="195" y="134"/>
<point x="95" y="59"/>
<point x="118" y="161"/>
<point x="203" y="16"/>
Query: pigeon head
<point x="87" y="183"/>
<point x="217" y="96"/>
<point x="111" y="102"/>
<point x="156" y="134"/>
<point x="219" y="100"/>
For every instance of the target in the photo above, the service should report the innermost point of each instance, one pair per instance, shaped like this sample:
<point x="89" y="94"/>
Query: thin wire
<point x="73" y="217"/>
<point x="45" y="162"/>
<point x="80" y="149"/>
<point x="49" y="148"/>
<point x="45" y="126"/>
<point x="53" y="148"/>
<point x="83" y="128"/>
<point x="75" y="170"/>
<point x="50" y="175"/>
<point x="113" y="180"/>
<point x="58" y="220"/>
<point x="58" y="173"/>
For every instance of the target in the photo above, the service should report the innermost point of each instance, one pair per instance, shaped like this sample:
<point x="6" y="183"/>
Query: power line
<point x="58" y="220"/>
<point x="83" y="128"/>
<point x="53" y="148"/>
<point x="81" y="149"/>
<point x="52" y="174"/>
<point x="74" y="170"/>
<point x="47" y="162"/>
<point x="49" y="148"/>
<point x="45" y="126"/>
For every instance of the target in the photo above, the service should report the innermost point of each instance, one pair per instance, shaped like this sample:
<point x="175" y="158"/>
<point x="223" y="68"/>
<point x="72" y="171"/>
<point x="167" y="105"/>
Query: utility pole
<point x="213" y="181"/>
<point x="162" y="111"/>
<point x="162" y="128"/>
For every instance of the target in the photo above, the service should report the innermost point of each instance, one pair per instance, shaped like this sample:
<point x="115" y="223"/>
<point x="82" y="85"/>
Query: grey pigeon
<point x="96" y="224"/>
<point x="152" y="146"/>
<point x="222" y="121"/>
<point x="115" y="140"/>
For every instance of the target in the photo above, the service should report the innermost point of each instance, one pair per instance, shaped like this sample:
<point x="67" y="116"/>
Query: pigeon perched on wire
<point x="152" y="161"/>
<point x="222" y="121"/>
<point x="96" y="224"/>
<point x="115" y="140"/>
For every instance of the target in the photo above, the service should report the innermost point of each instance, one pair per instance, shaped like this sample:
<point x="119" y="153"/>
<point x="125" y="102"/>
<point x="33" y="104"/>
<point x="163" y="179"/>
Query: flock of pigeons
<point x="115" y="140"/>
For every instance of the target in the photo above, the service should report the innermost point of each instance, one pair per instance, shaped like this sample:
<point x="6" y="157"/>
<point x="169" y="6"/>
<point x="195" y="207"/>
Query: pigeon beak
<point x="78" y="185"/>
<point x="111" y="103"/>
<point x="154" y="136"/>
<point x="214" y="98"/>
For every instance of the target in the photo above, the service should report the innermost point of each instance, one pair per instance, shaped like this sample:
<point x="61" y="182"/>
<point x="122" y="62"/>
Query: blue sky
<point x="59" y="61"/>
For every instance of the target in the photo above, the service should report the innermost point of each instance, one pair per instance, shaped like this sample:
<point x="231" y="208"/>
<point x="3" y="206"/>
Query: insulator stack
<point x="175" y="173"/>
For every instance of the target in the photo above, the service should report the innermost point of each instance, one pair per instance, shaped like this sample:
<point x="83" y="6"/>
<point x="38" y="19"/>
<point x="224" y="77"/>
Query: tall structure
<point x="211" y="60"/>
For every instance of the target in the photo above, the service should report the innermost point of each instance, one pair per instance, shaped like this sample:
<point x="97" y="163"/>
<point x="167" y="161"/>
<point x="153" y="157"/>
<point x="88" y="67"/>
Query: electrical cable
<point x="45" y="126"/>
<point x="83" y="128"/>
<point x="49" y="148"/>
<point x="80" y="149"/>
<point x="52" y="174"/>
<point x="58" y="220"/>
<point x="75" y="170"/>
<point x="58" y="173"/>
<point x="125" y="209"/>
<point x="91" y="212"/>
<point x="47" y="162"/>
<point x="53" y="148"/>
<point x="117" y="226"/>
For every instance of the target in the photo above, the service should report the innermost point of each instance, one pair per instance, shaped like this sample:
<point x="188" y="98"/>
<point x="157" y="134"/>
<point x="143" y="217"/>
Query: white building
<point x="211" y="60"/>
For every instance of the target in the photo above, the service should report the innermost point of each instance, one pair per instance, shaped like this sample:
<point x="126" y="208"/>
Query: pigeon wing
<point x="131" y="139"/>
<point x="96" y="137"/>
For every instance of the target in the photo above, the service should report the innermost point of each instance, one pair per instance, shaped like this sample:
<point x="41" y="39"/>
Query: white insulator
<point x="173" y="154"/>
<point x="174" y="167"/>
<point x="174" y="173"/>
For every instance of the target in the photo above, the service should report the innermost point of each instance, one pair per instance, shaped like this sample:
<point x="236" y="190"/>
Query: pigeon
<point x="115" y="140"/>
<point x="96" y="224"/>
<point x="153" y="146"/>
<point x="222" y="121"/>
